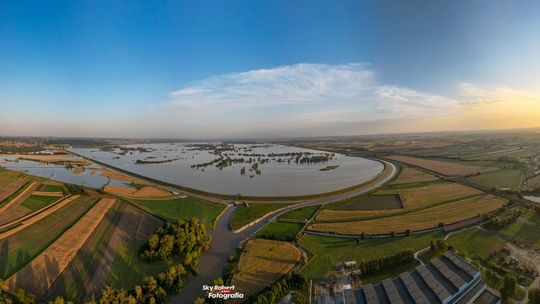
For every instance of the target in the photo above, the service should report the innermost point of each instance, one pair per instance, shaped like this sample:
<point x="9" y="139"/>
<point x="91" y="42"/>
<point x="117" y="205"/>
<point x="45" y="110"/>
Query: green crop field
<point x="476" y="242"/>
<point x="505" y="178"/>
<point x="246" y="214"/>
<point x="329" y="251"/>
<point x="51" y="188"/>
<point x="300" y="214"/>
<point x="183" y="208"/>
<point x="281" y="231"/>
<point x="36" y="202"/>
<point x="368" y="202"/>
<point x="20" y="248"/>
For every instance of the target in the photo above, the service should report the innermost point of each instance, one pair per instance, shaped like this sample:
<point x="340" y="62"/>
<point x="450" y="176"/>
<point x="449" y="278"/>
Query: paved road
<point x="224" y="241"/>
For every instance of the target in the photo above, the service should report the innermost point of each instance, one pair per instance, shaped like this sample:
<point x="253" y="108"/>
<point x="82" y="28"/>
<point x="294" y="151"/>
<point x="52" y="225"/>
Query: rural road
<point x="224" y="241"/>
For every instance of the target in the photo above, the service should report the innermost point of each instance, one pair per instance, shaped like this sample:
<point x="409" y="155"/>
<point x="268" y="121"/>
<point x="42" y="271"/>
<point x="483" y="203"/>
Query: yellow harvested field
<point x="262" y="263"/>
<point x="422" y="196"/>
<point x="147" y="191"/>
<point x="411" y="175"/>
<point x="150" y="191"/>
<point x="119" y="190"/>
<point x="417" y="220"/>
<point x="411" y="198"/>
<point x="45" y="193"/>
<point x="117" y="176"/>
<point x="35" y="216"/>
<point x="444" y="167"/>
<point x="38" y="276"/>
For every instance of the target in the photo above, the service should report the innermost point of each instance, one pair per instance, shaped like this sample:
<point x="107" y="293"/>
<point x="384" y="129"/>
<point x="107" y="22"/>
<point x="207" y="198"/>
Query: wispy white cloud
<point x="315" y="87"/>
<point x="310" y="99"/>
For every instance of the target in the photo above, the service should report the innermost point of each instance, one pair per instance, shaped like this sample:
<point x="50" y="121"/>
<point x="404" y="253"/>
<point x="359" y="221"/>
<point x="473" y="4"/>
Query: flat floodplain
<point x="246" y="169"/>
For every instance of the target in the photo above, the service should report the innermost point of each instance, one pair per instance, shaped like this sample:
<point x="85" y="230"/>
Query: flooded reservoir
<point x="246" y="169"/>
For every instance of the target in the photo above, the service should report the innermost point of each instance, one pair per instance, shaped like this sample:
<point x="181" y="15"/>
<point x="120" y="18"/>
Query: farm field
<point x="12" y="208"/>
<point x="299" y="215"/>
<point x="143" y="192"/>
<point x="42" y="271"/>
<point x="281" y="231"/>
<point x="412" y="175"/>
<point x="410" y="198"/>
<point x="476" y="242"/>
<point x="416" y="220"/>
<point x="49" y="186"/>
<point x="329" y="251"/>
<point x="245" y="214"/>
<point x="104" y="261"/>
<point x="262" y="263"/>
<point x="35" y="202"/>
<point x="368" y="203"/>
<point x="525" y="229"/>
<point x="10" y="183"/>
<point x="444" y="167"/>
<point x="182" y="208"/>
<point x="18" y="249"/>
<point x="425" y="195"/>
<point x="501" y="179"/>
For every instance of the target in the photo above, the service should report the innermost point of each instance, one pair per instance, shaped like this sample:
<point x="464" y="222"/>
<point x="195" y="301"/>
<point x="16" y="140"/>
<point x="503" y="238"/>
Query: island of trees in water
<point x="227" y="155"/>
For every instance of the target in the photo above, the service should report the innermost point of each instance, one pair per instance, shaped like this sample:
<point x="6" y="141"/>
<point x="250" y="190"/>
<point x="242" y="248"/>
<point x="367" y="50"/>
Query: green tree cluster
<point x="438" y="245"/>
<point x="184" y="239"/>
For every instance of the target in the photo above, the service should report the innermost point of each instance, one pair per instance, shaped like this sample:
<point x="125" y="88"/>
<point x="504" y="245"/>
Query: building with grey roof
<point x="445" y="280"/>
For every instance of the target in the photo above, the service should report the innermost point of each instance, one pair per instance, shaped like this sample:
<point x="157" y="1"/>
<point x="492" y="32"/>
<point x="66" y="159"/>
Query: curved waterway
<point x="253" y="169"/>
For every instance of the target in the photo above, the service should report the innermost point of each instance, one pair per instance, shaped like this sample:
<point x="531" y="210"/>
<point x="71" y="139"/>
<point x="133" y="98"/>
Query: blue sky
<point x="266" y="68"/>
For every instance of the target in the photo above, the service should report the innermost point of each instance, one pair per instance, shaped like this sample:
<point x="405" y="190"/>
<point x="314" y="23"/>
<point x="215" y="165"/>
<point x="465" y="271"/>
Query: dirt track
<point x="40" y="274"/>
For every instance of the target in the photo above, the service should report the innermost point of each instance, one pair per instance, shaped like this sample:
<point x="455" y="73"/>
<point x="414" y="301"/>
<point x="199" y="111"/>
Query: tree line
<point x="397" y="259"/>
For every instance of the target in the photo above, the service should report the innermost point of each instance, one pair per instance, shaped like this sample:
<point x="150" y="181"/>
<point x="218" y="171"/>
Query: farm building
<point x="446" y="280"/>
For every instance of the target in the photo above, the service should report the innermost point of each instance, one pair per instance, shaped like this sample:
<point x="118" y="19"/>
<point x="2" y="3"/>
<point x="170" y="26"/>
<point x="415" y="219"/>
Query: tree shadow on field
<point x="4" y="251"/>
<point x="23" y="258"/>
